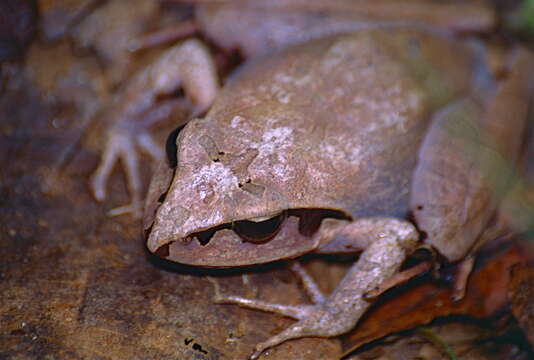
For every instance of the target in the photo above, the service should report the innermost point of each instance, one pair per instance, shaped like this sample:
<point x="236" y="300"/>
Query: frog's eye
<point x="171" y="148"/>
<point x="259" y="231"/>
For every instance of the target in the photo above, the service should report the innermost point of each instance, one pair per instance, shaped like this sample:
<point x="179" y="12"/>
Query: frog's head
<point x="229" y="201"/>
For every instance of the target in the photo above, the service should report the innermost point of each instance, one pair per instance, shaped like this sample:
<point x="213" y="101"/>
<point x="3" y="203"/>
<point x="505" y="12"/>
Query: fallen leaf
<point x="416" y="304"/>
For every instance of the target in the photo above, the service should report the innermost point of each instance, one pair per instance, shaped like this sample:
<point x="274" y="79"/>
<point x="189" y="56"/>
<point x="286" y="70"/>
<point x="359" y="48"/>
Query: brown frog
<point x="382" y="140"/>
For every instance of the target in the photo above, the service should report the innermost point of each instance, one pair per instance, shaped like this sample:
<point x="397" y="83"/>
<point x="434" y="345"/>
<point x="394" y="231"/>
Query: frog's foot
<point x="389" y="240"/>
<point x="122" y="145"/>
<point x="319" y="319"/>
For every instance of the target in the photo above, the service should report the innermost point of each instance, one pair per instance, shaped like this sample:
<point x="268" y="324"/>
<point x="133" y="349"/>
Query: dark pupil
<point x="258" y="232"/>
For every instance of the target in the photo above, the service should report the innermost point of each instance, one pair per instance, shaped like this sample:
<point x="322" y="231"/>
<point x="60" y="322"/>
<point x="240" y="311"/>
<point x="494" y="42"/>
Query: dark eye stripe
<point x="171" y="148"/>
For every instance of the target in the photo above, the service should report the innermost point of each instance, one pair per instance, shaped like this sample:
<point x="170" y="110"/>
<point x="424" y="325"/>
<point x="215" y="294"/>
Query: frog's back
<point x="336" y="123"/>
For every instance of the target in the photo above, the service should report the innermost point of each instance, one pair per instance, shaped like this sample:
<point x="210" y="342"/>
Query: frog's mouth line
<point x="260" y="231"/>
<point x="231" y="244"/>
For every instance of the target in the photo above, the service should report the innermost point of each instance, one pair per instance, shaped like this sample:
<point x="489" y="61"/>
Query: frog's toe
<point x="293" y="311"/>
<point x="100" y="177"/>
<point x="135" y="208"/>
<point x="322" y="320"/>
<point x="150" y="146"/>
<point x="297" y="312"/>
<point x="120" y="146"/>
<point x="97" y="184"/>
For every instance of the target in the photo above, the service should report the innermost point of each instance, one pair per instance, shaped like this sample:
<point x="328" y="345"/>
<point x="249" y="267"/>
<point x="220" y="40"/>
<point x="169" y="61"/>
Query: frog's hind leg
<point x="389" y="239"/>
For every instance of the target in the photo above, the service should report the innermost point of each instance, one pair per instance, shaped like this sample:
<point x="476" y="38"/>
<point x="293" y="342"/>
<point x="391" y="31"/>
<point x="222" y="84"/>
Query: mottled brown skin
<point x="306" y="115"/>
<point x="359" y="124"/>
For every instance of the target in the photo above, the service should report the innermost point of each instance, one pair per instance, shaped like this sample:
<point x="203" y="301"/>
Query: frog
<point x="252" y="29"/>
<point x="379" y="141"/>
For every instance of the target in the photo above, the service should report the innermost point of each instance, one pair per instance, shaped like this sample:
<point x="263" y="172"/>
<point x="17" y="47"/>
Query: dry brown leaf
<point x="426" y="301"/>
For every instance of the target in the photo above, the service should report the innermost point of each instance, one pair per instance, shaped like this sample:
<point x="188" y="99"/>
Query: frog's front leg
<point x="188" y="65"/>
<point x="388" y="241"/>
